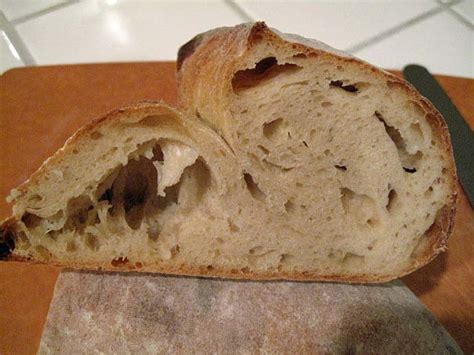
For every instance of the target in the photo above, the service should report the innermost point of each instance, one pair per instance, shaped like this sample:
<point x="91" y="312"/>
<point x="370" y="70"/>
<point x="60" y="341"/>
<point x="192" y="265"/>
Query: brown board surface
<point x="40" y="107"/>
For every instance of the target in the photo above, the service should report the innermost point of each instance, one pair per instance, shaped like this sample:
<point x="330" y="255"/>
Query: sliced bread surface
<point x="354" y="163"/>
<point x="291" y="162"/>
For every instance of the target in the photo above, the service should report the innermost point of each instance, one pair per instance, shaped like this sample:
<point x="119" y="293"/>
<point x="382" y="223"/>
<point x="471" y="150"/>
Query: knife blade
<point x="462" y="136"/>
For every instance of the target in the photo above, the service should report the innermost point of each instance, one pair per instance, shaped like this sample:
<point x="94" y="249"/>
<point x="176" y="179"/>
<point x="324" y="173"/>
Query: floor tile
<point x="14" y="9"/>
<point x="101" y="31"/>
<point x="466" y="10"/>
<point x="9" y="57"/>
<point x="341" y="24"/>
<point x="441" y="43"/>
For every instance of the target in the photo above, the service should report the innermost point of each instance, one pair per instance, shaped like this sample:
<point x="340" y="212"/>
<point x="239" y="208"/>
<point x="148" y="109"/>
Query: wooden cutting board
<point x="40" y="107"/>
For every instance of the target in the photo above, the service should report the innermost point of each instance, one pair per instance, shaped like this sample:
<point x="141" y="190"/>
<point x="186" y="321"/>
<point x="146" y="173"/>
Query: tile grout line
<point x="42" y="12"/>
<point x="391" y="31"/>
<point x="448" y="4"/>
<point x="242" y="13"/>
<point x="16" y="41"/>
<point x="460" y="18"/>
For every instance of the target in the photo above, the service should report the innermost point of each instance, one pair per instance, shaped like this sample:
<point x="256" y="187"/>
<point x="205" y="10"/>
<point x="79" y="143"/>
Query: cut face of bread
<point x="353" y="164"/>
<point x="293" y="162"/>
<point x="140" y="189"/>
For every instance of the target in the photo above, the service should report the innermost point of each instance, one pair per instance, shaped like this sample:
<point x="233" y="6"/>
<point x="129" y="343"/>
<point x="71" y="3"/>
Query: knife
<point x="462" y="136"/>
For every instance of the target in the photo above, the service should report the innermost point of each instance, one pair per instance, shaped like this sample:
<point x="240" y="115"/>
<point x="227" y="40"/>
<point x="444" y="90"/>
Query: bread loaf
<point x="353" y="163"/>
<point x="291" y="162"/>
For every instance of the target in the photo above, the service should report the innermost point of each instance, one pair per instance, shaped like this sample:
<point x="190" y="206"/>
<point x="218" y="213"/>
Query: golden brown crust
<point x="193" y="77"/>
<point x="187" y="50"/>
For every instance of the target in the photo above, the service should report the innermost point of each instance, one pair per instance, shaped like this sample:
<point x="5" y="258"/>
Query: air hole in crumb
<point x="361" y="206"/>
<point x="392" y="198"/>
<point x="92" y="242"/>
<point x="299" y="55"/>
<point x="266" y="69"/>
<point x="408" y="161"/>
<point x="256" y="250"/>
<point x="30" y="220"/>
<point x="326" y="104"/>
<point x="81" y="213"/>
<point x="131" y="190"/>
<point x="290" y="207"/>
<point x="305" y="144"/>
<point x="175" y="250"/>
<point x="43" y="252"/>
<point x="75" y="151"/>
<point x="245" y="270"/>
<point x="209" y="267"/>
<point x="35" y="198"/>
<point x="429" y="191"/>
<point x="157" y="153"/>
<point x="107" y="195"/>
<point x="71" y="246"/>
<point x="96" y="135"/>
<point x="416" y="130"/>
<point x="274" y="129"/>
<point x="138" y="265"/>
<point x="232" y="226"/>
<point x="154" y="232"/>
<point x="371" y="222"/>
<point x="285" y="259"/>
<point x="253" y="188"/>
<point x="341" y="167"/>
<point x="353" y="260"/>
<point x="340" y="84"/>
<point x="263" y="149"/>
<point x="120" y="261"/>
<point x="150" y="121"/>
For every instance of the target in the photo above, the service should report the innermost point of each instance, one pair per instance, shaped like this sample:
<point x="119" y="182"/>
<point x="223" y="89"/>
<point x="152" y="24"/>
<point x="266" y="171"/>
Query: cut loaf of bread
<point x="292" y="162"/>
<point x="352" y="163"/>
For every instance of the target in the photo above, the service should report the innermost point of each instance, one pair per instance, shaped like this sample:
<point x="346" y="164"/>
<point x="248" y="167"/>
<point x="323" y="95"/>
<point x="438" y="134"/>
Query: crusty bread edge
<point x="441" y="229"/>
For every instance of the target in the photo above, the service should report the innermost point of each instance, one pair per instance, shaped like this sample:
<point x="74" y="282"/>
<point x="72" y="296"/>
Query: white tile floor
<point x="389" y="33"/>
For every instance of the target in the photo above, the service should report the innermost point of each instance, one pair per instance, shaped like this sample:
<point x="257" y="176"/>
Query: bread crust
<point x="231" y="44"/>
